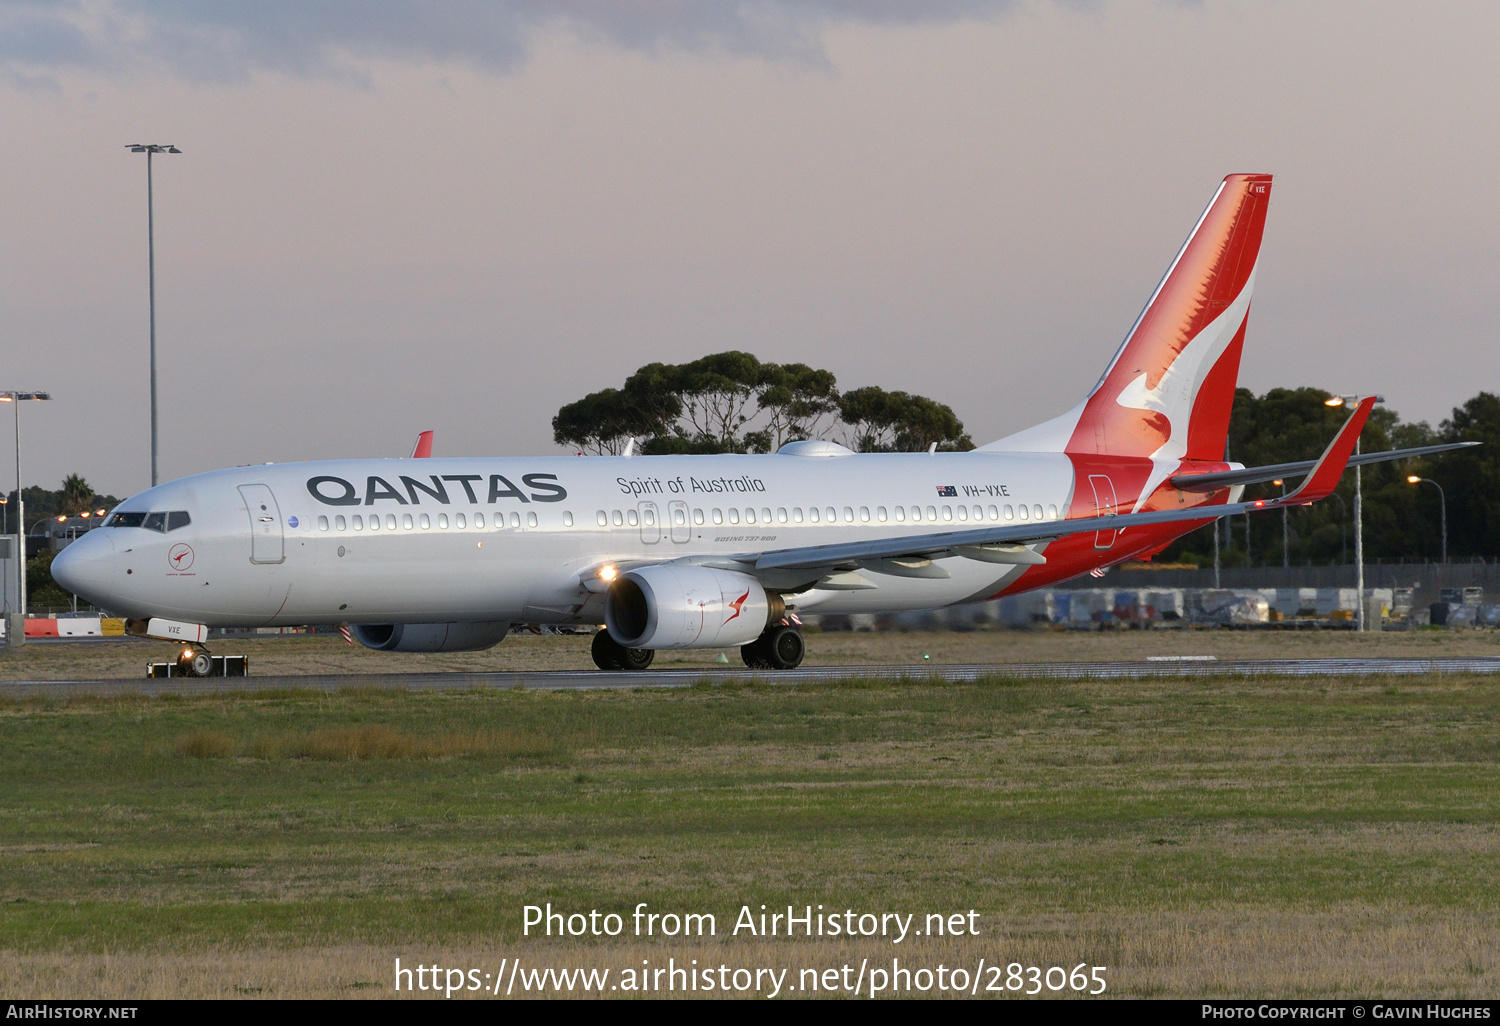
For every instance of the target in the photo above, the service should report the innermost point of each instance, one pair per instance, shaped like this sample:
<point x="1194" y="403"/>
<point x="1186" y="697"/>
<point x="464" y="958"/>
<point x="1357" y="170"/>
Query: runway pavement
<point x="572" y="679"/>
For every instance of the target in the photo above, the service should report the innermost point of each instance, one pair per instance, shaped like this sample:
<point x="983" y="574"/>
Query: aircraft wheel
<point x="637" y="658"/>
<point x="784" y="647"/>
<point x="754" y="654"/>
<point x="608" y="653"/>
<point x="779" y="648"/>
<point x="195" y="662"/>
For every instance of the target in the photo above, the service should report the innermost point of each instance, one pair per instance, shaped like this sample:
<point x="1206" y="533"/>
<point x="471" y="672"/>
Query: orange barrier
<point x="37" y="627"/>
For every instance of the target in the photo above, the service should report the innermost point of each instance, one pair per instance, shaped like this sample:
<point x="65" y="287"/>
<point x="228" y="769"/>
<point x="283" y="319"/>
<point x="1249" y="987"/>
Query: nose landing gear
<point x="780" y="647"/>
<point x="194" y="661"/>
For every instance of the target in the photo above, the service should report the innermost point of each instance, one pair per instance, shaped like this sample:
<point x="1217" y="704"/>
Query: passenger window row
<point x="163" y="522"/>
<point x="425" y="522"/>
<point x="832" y="515"/>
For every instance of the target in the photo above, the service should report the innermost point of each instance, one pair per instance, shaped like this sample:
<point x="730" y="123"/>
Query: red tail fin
<point x="1169" y="389"/>
<point x="423" y="448"/>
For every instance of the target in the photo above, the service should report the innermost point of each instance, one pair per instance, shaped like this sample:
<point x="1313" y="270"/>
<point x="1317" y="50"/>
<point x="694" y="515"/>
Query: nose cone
<point x="86" y="567"/>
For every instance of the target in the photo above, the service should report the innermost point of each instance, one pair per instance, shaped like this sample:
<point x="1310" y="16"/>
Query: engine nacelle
<point x="429" y="637"/>
<point x="678" y="606"/>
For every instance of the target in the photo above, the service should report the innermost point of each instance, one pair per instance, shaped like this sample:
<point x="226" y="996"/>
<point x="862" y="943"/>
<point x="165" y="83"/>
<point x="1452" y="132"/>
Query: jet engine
<point x="429" y="637"/>
<point x="678" y="606"/>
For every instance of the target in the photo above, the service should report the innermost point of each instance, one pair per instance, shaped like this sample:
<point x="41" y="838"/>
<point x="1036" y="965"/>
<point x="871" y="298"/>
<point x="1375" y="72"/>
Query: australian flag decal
<point x="947" y="492"/>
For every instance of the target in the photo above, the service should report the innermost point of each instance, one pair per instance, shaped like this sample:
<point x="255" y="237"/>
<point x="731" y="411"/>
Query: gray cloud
<point x="212" y="40"/>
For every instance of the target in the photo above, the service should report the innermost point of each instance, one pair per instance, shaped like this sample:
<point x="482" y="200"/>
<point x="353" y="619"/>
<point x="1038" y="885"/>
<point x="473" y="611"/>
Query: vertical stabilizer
<point x="1169" y="390"/>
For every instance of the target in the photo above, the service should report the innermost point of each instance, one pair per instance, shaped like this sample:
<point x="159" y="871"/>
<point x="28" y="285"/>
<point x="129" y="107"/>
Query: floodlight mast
<point x="150" y="150"/>
<point x="16" y="629"/>
<point x="1359" y="518"/>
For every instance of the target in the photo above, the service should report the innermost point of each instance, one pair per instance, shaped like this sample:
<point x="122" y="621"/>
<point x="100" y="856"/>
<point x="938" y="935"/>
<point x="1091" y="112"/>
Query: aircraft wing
<point x="910" y="555"/>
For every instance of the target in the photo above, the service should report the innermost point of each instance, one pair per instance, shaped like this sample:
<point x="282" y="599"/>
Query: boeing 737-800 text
<point x="425" y="555"/>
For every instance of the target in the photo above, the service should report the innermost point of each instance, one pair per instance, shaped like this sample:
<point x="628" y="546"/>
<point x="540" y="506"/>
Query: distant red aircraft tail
<point x="423" y="449"/>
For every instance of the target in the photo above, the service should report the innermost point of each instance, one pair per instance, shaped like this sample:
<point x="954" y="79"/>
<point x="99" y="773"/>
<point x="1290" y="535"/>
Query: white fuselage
<point x="490" y="540"/>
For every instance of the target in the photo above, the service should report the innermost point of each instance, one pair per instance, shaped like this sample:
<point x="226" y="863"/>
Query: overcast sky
<point x="391" y="216"/>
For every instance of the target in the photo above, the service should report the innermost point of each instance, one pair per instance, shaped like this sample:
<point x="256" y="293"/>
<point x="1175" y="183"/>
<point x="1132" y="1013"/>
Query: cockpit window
<point x="151" y="521"/>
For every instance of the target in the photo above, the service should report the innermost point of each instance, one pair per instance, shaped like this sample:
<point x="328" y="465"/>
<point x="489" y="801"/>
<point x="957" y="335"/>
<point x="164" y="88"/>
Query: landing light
<point x="608" y="573"/>
<point x="1333" y="401"/>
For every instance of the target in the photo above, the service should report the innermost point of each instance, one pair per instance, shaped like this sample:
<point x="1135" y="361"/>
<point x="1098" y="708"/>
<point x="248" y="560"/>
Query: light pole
<point x="1359" y="519"/>
<point x="1442" y="507"/>
<point x="1343" y="528"/>
<point x="1284" y="560"/>
<point x="150" y="150"/>
<point x="4" y="530"/>
<point x="16" y="627"/>
<point x="1216" y="553"/>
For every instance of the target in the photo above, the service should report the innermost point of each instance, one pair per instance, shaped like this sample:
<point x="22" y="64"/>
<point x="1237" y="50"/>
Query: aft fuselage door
<point x="1104" y="506"/>
<point x="266" y="541"/>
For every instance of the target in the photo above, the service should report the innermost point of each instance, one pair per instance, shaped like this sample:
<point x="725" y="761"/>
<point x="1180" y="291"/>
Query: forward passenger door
<point x="267" y="543"/>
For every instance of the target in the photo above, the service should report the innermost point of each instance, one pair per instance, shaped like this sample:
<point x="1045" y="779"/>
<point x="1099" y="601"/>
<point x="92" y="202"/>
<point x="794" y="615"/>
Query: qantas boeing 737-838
<point x="427" y="555"/>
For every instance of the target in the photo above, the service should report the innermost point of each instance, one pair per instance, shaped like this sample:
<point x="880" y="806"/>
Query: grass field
<point x="1231" y="837"/>
<point x="276" y="655"/>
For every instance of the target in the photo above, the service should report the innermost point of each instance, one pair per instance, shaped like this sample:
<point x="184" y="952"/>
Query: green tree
<point x="881" y="421"/>
<point x="734" y="402"/>
<point x="1288" y="425"/>
<point x="1470" y="478"/>
<point x="77" y="496"/>
<point x="41" y="590"/>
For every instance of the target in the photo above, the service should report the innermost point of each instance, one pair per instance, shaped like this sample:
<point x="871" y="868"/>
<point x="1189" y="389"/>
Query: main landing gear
<point x="609" y="654"/>
<point x="779" y="647"/>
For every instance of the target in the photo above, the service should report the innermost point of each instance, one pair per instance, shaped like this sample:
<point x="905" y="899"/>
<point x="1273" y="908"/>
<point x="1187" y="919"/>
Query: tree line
<point x="1402" y="521"/>
<point x="733" y="402"/>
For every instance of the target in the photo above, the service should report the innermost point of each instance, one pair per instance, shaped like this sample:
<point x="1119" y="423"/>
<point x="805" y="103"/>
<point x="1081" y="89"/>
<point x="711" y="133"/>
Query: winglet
<point x="423" y="449"/>
<point x="1324" y="476"/>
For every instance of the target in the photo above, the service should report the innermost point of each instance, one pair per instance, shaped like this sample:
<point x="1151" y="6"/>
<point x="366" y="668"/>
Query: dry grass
<point x="1359" y="953"/>
<point x="206" y="744"/>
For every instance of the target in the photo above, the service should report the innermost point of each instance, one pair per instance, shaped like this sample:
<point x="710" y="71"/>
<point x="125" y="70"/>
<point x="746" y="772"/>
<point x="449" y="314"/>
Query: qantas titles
<point x="335" y="491"/>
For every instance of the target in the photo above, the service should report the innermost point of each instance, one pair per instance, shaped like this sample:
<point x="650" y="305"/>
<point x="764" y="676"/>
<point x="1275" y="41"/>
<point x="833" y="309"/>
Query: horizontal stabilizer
<point x="1212" y="482"/>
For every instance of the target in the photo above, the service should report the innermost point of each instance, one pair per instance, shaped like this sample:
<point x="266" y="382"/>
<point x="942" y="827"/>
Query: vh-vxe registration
<point x="430" y="555"/>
